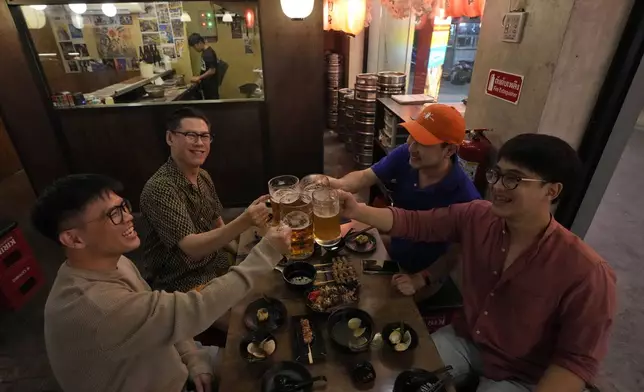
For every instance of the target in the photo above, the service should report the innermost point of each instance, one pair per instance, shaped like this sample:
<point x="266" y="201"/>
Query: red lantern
<point x="455" y="8"/>
<point x="249" y="15"/>
<point x="472" y="8"/>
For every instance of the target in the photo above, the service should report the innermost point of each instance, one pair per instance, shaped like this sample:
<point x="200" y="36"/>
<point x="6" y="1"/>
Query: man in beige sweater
<point x="105" y="330"/>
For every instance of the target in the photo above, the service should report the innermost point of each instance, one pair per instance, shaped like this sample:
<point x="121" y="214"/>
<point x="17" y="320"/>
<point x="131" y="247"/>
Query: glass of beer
<point x="278" y="187"/>
<point x="313" y="182"/>
<point x="297" y="213"/>
<point x="326" y="217"/>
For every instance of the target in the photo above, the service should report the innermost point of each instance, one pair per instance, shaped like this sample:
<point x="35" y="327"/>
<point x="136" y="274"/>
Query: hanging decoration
<point x="401" y="9"/>
<point x="297" y="9"/>
<point x="249" y="16"/>
<point x="350" y="16"/>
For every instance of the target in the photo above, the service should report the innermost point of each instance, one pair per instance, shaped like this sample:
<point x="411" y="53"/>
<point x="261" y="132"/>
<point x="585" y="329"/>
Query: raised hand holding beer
<point x="257" y="213"/>
<point x="280" y="237"/>
<point x="348" y="204"/>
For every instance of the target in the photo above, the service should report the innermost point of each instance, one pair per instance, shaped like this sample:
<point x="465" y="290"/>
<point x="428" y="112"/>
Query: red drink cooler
<point x="20" y="274"/>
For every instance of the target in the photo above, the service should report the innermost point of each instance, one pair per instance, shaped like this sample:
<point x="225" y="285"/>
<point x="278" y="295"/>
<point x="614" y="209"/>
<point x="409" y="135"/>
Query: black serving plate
<point x="389" y="328"/>
<point x="293" y="370"/>
<point x="255" y="337"/>
<point x="276" y="315"/>
<point x="309" y="304"/>
<point x="300" y="349"/>
<point x="369" y="247"/>
<point x="340" y="333"/>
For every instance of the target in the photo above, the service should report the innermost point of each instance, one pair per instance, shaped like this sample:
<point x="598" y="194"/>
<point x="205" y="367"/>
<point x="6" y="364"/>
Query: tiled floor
<point x="616" y="233"/>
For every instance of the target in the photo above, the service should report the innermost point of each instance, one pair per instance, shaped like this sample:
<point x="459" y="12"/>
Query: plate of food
<point x="325" y="299"/>
<point x="339" y="271"/>
<point x="351" y="329"/>
<point x="362" y="243"/>
<point x="257" y="346"/>
<point x="400" y="337"/>
<point x="266" y="314"/>
<point x="308" y="342"/>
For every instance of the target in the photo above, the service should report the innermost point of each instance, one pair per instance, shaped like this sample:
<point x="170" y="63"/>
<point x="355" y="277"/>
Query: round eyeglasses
<point x="509" y="181"/>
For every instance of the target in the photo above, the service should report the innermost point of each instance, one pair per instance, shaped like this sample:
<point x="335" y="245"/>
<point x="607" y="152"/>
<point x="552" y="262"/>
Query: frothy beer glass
<point x="277" y="188"/>
<point x="313" y="182"/>
<point x="297" y="210"/>
<point x="326" y="217"/>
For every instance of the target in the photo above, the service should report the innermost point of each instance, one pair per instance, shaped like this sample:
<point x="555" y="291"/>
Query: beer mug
<point x="326" y="216"/>
<point x="314" y="182"/>
<point x="278" y="187"/>
<point x="297" y="210"/>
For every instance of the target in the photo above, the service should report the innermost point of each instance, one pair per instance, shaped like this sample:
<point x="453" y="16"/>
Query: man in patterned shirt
<point x="187" y="244"/>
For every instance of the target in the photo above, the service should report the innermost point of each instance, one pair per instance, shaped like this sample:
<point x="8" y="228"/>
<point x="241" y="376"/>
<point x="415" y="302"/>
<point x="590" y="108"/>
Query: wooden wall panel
<point x="9" y="161"/>
<point x="293" y="58"/>
<point x="128" y="144"/>
<point x="22" y="106"/>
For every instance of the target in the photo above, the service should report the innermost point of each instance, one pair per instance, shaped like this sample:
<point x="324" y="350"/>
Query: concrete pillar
<point x="565" y="53"/>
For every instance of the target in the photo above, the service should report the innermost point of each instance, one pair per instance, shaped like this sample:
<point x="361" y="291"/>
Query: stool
<point x="437" y="311"/>
<point x="20" y="274"/>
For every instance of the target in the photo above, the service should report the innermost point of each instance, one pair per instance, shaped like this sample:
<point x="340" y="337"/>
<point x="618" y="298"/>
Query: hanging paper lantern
<point x="297" y="9"/>
<point x="472" y="8"/>
<point x="349" y="16"/>
<point x="35" y="18"/>
<point x="249" y="16"/>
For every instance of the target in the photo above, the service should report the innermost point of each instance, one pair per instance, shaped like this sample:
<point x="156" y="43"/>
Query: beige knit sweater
<point x="106" y="331"/>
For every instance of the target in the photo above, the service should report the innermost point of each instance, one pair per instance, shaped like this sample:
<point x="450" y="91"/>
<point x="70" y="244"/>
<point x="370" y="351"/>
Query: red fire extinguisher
<point x="475" y="155"/>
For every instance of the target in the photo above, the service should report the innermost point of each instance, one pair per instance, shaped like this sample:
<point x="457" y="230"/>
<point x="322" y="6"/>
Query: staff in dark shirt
<point x="208" y="79"/>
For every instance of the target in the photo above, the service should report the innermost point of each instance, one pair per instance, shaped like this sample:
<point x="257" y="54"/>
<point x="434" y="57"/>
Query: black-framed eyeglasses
<point x="116" y="213"/>
<point x="193" y="137"/>
<point x="509" y="181"/>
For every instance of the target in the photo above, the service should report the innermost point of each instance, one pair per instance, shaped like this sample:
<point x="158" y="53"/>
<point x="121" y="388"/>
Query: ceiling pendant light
<point x="35" y="19"/>
<point x="109" y="9"/>
<point x="40" y="7"/>
<point x="227" y="18"/>
<point x="297" y="9"/>
<point x="78" y="8"/>
<point x="77" y="21"/>
<point x="185" y="17"/>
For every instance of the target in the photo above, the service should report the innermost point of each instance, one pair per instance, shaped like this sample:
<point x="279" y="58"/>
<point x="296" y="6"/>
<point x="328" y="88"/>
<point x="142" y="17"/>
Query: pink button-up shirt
<point x="553" y="305"/>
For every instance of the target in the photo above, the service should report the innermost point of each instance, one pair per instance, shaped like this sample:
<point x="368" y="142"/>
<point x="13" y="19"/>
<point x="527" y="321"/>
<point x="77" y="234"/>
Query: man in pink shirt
<point x="538" y="301"/>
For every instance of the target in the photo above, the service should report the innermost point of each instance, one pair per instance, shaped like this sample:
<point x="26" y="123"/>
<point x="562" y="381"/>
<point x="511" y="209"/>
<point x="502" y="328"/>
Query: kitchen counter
<point x="128" y="85"/>
<point x="174" y="93"/>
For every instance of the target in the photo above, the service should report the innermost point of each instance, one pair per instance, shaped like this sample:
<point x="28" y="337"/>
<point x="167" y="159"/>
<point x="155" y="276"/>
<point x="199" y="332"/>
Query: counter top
<point x="405" y="112"/>
<point x="409" y="112"/>
<point x="128" y="85"/>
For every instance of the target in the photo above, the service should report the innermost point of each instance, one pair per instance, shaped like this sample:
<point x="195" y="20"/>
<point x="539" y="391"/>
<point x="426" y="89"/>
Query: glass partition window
<point x="147" y="52"/>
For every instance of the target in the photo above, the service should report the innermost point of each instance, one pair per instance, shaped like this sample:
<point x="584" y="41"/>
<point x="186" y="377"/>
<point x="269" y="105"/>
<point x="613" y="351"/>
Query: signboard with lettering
<point x="504" y="86"/>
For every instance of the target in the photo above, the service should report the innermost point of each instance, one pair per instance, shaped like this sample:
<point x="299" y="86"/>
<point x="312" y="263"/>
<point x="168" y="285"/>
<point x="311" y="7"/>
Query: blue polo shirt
<point x="399" y="177"/>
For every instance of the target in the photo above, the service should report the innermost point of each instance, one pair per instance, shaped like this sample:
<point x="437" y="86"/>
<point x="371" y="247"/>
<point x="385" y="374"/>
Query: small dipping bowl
<point x="299" y="270"/>
<point x="389" y="328"/>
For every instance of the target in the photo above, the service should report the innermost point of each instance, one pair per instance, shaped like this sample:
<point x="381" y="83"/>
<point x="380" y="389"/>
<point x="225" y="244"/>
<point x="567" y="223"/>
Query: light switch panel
<point x="513" y="24"/>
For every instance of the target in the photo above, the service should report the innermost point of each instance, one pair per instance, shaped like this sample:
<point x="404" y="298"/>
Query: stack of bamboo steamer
<point x="391" y="83"/>
<point x="345" y="117"/>
<point x="333" y="84"/>
<point x="364" y="119"/>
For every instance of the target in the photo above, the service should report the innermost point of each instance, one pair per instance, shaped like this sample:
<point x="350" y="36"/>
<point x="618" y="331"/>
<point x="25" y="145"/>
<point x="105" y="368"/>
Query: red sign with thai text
<point x="503" y="85"/>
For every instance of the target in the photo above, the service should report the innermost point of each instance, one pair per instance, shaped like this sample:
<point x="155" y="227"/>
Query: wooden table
<point x="377" y="297"/>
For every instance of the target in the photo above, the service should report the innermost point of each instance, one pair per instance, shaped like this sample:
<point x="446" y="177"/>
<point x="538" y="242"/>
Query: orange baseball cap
<point x="436" y="124"/>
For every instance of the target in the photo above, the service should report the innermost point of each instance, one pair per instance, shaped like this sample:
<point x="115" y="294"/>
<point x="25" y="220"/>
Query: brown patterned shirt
<point x="174" y="208"/>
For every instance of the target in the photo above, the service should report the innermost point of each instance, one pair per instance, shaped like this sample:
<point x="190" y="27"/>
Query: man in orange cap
<point x="422" y="174"/>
